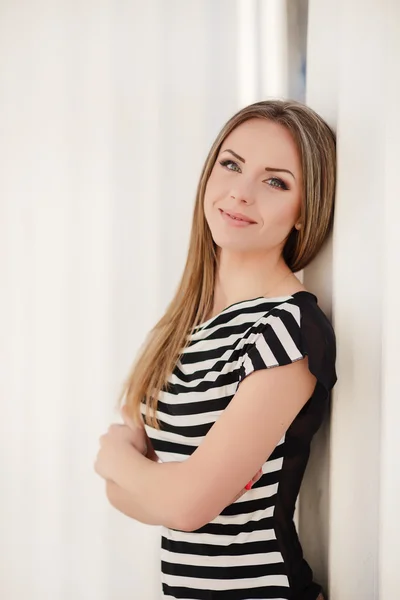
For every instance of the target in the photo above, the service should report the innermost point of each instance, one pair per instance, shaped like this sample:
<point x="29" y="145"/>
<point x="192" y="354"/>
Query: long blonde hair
<point x="193" y="300"/>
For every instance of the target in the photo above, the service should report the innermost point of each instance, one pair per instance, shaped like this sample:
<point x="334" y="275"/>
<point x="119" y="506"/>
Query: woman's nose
<point x="243" y="193"/>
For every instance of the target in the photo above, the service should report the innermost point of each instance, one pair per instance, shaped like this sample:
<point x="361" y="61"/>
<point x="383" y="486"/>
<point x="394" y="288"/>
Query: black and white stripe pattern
<point x="237" y="556"/>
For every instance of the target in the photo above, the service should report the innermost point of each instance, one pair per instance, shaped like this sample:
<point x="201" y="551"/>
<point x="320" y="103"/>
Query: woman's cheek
<point x="284" y="215"/>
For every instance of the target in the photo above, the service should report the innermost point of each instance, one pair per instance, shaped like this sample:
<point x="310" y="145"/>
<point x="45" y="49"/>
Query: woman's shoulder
<point x="313" y="321"/>
<point x="294" y="327"/>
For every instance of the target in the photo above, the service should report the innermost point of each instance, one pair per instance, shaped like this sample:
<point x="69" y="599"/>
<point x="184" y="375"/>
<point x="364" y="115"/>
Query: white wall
<point x="321" y="94"/>
<point x="353" y="79"/>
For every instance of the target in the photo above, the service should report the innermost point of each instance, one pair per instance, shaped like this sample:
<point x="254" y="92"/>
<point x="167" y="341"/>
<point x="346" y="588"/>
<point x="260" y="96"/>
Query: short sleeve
<point x="287" y="334"/>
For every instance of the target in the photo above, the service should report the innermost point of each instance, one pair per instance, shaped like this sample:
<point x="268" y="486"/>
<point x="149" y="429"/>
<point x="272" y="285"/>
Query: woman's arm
<point x="139" y="487"/>
<point x="125" y="503"/>
<point x="189" y="494"/>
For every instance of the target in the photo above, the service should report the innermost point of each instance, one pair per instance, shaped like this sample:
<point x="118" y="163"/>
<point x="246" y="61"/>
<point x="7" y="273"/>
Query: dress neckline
<point x="266" y="298"/>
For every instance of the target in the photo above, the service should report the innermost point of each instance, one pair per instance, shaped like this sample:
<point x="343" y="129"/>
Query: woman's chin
<point x="226" y="242"/>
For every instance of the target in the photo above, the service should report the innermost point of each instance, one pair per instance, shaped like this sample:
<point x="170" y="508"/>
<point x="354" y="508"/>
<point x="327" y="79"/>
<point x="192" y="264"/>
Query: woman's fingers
<point x="239" y="496"/>
<point x="138" y="432"/>
<point x="256" y="478"/>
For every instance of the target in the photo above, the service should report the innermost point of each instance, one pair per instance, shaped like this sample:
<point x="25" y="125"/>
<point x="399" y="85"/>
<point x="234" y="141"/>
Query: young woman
<point x="226" y="436"/>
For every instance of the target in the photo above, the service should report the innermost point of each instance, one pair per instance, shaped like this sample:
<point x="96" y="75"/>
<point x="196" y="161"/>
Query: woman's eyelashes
<point x="279" y="183"/>
<point x="227" y="162"/>
<point x="276" y="182"/>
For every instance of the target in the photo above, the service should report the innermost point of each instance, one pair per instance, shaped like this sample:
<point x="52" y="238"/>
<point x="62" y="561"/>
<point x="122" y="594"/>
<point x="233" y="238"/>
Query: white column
<point x="353" y="81"/>
<point x="272" y="31"/>
<point x="248" y="52"/>
<point x="262" y="50"/>
<point x="389" y="521"/>
<point x="321" y="94"/>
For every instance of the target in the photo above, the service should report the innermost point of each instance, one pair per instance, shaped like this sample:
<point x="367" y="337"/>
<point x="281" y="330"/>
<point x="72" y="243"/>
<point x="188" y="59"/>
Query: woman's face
<point x="257" y="174"/>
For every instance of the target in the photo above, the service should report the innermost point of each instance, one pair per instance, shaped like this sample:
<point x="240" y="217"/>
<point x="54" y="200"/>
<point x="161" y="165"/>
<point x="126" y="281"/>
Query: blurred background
<point x="107" y="112"/>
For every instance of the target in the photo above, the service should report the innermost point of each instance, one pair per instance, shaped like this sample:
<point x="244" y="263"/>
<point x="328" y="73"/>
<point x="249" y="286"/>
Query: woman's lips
<point x="235" y="222"/>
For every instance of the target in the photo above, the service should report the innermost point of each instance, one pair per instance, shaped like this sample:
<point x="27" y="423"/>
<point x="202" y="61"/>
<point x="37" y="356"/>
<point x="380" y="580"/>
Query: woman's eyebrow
<point x="275" y="169"/>
<point x="284" y="170"/>
<point x="234" y="154"/>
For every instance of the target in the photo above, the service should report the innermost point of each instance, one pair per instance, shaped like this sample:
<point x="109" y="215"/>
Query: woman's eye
<point x="230" y="165"/>
<point x="275" y="182"/>
<point x="278" y="183"/>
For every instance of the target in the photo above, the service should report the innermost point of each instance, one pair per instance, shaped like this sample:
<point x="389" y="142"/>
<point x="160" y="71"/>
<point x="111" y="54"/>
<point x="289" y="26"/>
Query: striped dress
<point x="251" y="550"/>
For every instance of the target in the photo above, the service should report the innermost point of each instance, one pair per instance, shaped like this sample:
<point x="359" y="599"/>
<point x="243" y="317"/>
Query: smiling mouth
<point x="224" y="212"/>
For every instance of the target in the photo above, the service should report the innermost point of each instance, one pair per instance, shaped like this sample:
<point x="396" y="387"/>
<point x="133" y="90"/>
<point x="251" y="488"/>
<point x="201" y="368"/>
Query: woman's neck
<point x="240" y="278"/>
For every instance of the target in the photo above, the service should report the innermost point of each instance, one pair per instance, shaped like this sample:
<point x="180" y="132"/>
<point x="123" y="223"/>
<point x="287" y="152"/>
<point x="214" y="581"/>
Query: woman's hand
<point x="256" y="478"/>
<point x="113" y="446"/>
<point x="141" y="440"/>
<point x="139" y="437"/>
